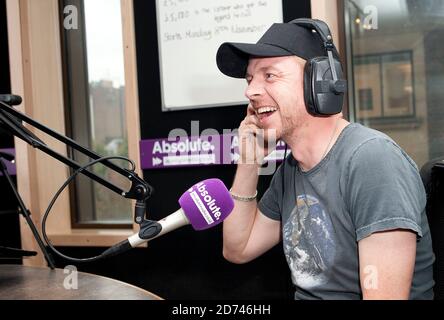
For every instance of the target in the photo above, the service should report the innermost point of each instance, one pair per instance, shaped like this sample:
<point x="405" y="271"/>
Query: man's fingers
<point x="252" y="120"/>
<point x="250" y="129"/>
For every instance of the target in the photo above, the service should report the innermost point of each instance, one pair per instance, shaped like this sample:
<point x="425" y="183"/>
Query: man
<point x="348" y="203"/>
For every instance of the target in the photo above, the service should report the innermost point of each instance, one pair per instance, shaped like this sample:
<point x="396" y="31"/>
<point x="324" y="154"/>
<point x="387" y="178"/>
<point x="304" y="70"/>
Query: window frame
<point x="78" y="124"/>
<point x="35" y="53"/>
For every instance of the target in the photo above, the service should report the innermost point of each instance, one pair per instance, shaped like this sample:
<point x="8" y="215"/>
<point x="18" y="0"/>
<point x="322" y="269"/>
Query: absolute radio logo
<point x="205" y="203"/>
<point x="185" y="146"/>
<point x="209" y="201"/>
<point x="210" y="147"/>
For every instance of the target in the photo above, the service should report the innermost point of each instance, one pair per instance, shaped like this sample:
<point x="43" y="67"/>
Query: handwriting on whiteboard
<point x="220" y="19"/>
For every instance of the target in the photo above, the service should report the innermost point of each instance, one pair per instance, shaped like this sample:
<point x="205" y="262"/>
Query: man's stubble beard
<point x="292" y="123"/>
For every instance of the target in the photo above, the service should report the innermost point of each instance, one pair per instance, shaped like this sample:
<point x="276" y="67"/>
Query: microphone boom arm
<point x="140" y="190"/>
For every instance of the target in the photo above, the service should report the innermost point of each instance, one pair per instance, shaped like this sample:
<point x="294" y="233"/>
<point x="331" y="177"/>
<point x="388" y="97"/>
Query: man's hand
<point x="255" y="143"/>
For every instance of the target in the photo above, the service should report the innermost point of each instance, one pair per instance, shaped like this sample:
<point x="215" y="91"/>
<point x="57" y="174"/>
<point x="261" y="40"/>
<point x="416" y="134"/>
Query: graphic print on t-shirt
<point x="309" y="243"/>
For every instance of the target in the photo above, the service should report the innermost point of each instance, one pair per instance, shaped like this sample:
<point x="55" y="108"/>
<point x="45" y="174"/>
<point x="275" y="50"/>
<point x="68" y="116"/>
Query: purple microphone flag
<point x="207" y="203"/>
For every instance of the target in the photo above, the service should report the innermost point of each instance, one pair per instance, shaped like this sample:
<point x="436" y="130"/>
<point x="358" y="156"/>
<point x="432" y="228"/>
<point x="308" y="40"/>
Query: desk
<point x="19" y="282"/>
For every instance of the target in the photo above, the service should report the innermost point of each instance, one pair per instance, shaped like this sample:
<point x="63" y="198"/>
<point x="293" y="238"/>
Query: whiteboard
<point x="189" y="35"/>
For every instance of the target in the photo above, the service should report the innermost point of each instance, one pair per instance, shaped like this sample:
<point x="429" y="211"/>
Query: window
<point x="94" y="76"/>
<point x="396" y="71"/>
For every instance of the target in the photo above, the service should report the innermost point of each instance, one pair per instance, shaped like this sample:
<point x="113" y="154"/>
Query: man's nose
<point x="254" y="90"/>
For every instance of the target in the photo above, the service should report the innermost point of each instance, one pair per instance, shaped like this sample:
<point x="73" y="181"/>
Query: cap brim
<point x="232" y="58"/>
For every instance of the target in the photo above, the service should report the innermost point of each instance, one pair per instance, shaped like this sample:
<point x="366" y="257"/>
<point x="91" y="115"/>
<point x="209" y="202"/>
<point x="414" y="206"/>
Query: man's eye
<point x="269" y="75"/>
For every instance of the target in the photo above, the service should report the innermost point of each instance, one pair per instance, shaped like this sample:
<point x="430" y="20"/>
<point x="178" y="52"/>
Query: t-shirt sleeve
<point x="384" y="189"/>
<point x="271" y="202"/>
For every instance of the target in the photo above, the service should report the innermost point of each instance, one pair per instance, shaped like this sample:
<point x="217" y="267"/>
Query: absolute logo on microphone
<point x="205" y="203"/>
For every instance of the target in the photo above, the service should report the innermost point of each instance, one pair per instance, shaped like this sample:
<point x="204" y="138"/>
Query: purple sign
<point x="196" y="151"/>
<point x="180" y="152"/>
<point x="9" y="165"/>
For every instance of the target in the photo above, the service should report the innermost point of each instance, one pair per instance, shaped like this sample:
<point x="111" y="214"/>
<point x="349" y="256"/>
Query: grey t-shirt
<point x="365" y="184"/>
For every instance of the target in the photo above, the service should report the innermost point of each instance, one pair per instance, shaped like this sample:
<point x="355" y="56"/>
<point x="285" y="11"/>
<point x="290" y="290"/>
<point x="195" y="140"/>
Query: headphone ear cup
<point x="324" y="102"/>
<point x="308" y="88"/>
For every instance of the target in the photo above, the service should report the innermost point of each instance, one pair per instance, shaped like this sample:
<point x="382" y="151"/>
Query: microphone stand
<point x="25" y="212"/>
<point x="140" y="190"/>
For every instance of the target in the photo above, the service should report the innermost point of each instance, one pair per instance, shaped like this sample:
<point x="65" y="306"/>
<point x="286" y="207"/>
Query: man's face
<point x="275" y="91"/>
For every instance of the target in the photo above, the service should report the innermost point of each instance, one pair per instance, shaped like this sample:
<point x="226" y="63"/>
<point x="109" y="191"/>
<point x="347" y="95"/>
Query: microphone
<point x="11" y="99"/>
<point x="204" y="205"/>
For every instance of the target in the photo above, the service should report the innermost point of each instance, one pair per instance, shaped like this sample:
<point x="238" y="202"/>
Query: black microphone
<point x="11" y="99"/>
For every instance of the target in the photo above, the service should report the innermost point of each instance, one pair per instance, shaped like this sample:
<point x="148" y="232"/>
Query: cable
<point x="57" y="194"/>
<point x="283" y="175"/>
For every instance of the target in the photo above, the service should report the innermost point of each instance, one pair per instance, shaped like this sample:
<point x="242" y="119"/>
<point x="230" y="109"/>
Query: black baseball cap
<point x="281" y="39"/>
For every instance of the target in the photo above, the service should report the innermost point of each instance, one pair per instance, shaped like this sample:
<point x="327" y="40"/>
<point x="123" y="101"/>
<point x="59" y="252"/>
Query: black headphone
<point x="324" y="86"/>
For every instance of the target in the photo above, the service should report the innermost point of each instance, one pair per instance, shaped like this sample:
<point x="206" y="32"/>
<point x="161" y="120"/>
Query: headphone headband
<point x="321" y="29"/>
<point x="322" y="96"/>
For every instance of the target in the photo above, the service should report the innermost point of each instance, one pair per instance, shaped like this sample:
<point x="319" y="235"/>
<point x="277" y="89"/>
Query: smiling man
<point x="348" y="203"/>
